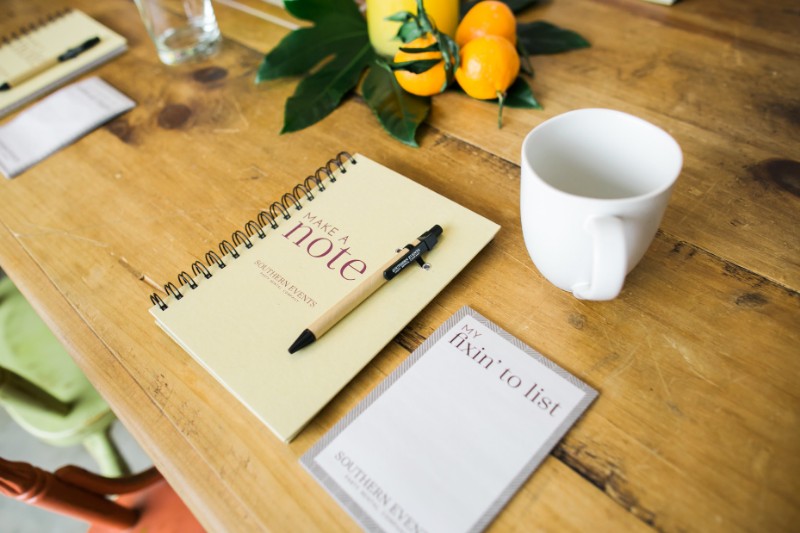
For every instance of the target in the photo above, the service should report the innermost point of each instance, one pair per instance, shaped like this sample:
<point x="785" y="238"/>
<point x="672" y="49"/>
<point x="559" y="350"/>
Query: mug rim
<point x="525" y="162"/>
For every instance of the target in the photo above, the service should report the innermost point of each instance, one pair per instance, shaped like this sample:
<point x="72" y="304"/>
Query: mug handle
<point x="609" y="264"/>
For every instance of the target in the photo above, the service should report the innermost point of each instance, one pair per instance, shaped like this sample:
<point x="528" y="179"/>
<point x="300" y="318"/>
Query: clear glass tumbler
<point x="182" y="30"/>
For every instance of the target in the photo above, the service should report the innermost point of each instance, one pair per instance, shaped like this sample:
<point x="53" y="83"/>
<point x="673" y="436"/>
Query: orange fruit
<point x="430" y="82"/>
<point x="489" y="65"/>
<point x="489" y="17"/>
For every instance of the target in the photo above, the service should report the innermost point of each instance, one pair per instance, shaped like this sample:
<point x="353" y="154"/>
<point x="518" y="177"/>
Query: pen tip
<point x="305" y="338"/>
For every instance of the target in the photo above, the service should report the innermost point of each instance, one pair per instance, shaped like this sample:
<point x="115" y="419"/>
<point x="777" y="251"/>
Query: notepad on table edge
<point x="55" y="37"/>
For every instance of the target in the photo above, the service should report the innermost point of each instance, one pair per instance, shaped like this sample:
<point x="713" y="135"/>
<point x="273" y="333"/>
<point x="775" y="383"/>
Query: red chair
<point x="146" y="502"/>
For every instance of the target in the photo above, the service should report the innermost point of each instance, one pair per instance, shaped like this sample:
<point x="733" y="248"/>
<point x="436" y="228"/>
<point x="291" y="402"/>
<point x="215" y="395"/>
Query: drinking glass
<point x="181" y="30"/>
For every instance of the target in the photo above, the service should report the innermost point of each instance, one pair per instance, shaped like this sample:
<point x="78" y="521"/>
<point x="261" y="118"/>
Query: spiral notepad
<point x="237" y="310"/>
<point x="37" y="44"/>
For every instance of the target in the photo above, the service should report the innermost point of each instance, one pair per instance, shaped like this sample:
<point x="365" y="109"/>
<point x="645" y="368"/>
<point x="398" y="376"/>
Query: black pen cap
<point x="430" y="237"/>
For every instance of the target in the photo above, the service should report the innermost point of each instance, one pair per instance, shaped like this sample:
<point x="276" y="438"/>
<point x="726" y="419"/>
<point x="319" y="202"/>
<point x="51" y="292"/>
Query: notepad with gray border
<point x="445" y="441"/>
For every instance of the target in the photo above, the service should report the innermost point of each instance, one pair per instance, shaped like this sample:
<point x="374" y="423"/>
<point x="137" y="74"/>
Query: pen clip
<point x="78" y="50"/>
<point x="425" y="243"/>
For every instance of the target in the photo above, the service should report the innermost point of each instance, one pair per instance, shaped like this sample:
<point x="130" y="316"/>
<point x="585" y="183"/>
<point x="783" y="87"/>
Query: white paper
<point x="446" y="440"/>
<point x="57" y="121"/>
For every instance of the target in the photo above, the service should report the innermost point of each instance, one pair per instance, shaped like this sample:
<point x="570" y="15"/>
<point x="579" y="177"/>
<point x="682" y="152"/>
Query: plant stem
<point x="501" y="96"/>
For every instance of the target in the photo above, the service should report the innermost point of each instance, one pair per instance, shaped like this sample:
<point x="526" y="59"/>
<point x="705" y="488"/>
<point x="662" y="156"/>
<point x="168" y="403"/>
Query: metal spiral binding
<point x="252" y="227"/>
<point x="212" y="257"/>
<point x="239" y="238"/>
<point x="282" y="209"/>
<point x="199" y="268"/>
<point x="34" y="26"/>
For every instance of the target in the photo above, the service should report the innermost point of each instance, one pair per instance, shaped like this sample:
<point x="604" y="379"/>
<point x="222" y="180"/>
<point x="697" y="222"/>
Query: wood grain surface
<point x="696" y="426"/>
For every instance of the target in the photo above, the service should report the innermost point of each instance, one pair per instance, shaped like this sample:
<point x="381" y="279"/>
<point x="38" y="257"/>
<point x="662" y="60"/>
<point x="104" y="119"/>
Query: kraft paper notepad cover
<point x="240" y="322"/>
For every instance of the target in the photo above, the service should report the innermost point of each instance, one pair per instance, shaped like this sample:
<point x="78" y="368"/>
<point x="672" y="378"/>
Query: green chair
<point x="45" y="392"/>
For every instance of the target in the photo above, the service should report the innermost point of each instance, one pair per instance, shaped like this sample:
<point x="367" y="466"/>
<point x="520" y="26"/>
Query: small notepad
<point x="448" y="438"/>
<point x="36" y="43"/>
<point x="57" y="121"/>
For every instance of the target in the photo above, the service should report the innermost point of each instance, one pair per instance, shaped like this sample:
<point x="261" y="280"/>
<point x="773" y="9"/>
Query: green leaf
<point x="399" y="112"/>
<point x="432" y="48"/>
<point x="338" y="41"/>
<point x="401" y="16"/>
<point x="418" y="66"/>
<point x="519" y="95"/>
<point x="302" y="49"/>
<point x="410" y="30"/>
<point x="318" y="10"/>
<point x="320" y="93"/>
<point x="422" y="15"/>
<point x="450" y="54"/>
<point x="544" y="38"/>
<point x="414" y="25"/>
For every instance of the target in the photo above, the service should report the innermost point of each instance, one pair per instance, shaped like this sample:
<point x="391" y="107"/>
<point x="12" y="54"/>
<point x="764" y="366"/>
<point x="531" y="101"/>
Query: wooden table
<point x="696" y="427"/>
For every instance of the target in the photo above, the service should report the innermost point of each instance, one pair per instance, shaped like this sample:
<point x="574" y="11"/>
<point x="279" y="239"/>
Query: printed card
<point x="447" y="439"/>
<point x="57" y="121"/>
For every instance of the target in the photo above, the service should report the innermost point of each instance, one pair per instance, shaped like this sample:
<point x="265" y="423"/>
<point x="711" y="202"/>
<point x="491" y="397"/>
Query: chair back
<point x="147" y="502"/>
<point x="45" y="392"/>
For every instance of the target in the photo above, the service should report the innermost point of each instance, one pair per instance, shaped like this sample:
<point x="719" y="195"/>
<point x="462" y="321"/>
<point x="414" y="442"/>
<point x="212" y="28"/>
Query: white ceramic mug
<point x="595" y="184"/>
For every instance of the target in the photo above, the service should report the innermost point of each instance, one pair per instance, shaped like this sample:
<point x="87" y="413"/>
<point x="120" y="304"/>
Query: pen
<point x="408" y="255"/>
<point x="41" y="67"/>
